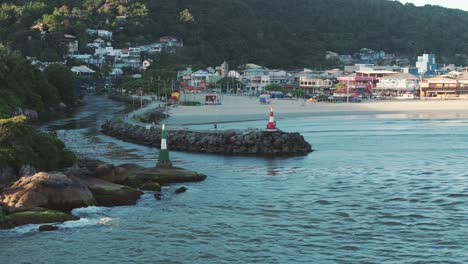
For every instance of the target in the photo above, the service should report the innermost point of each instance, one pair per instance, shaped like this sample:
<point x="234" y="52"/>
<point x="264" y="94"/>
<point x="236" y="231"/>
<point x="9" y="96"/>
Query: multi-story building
<point x="445" y="86"/>
<point x="397" y="84"/>
<point x="359" y="84"/>
<point x="255" y="79"/>
<point x="280" y="77"/>
<point x="315" y="85"/>
<point x="426" y="64"/>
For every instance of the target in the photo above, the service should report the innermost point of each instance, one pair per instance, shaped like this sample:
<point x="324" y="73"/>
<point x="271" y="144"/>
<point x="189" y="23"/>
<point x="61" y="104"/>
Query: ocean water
<point x="377" y="189"/>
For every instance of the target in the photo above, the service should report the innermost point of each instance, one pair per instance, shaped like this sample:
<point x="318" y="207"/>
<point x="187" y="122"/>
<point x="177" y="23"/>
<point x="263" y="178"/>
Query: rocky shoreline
<point x="48" y="197"/>
<point x="229" y="142"/>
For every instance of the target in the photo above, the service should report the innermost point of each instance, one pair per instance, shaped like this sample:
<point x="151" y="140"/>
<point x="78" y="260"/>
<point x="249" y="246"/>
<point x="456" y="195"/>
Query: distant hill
<point x="275" y="33"/>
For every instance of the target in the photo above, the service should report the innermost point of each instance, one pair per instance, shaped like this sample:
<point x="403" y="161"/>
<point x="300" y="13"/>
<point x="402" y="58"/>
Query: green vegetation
<point x="190" y="103"/>
<point x="23" y="85"/>
<point x="229" y="83"/>
<point x="20" y="144"/>
<point x="279" y="88"/>
<point x="274" y="33"/>
<point x="148" y="84"/>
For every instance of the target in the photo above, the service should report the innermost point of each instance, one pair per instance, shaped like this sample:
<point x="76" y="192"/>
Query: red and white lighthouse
<point x="271" y="123"/>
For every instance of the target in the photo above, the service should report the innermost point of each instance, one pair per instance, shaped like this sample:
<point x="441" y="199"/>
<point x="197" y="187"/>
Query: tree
<point x="20" y="144"/>
<point x="229" y="83"/>
<point x="275" y="87"/>
<point x="62" y="79"/>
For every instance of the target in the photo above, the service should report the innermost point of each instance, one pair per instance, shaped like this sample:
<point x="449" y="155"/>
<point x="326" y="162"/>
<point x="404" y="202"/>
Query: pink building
<point x="361" y="84"/>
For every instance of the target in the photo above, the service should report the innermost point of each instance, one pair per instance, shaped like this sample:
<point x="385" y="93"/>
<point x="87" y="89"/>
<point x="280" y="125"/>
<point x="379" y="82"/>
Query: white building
<point x="426" y="64"/>
<point x="203" y="76"/>
<point x="82" y="71"/>
<point x="397" y="84"/>
<point x="234" y="74"/>
<point x="71" y="44"/>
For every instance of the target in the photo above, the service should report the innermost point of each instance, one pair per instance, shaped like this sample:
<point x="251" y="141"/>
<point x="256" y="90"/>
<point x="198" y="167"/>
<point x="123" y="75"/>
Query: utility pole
<point x="347" y="92"/>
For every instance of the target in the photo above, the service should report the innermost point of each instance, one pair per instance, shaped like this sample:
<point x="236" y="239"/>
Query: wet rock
<point x="47" y="190"/>
<point x="36" y="216"/>
<point x="151" y="186"/>
<point x="111" y="194"/>
<point x="44" y="228"/>
<point x="158" y="196"/>
<point x="137" y="177"/>
<point x="181" y="190"/>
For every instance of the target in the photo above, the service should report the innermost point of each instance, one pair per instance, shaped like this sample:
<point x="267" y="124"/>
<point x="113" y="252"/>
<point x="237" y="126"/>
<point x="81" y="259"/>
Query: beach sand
<point x="241" y="108"/>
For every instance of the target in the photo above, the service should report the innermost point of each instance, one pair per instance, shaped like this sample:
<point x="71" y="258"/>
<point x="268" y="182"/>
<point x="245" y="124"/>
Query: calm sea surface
<point x="378" y="189"/>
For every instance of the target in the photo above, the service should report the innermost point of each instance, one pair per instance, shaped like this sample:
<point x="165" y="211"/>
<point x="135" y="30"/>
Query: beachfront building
<point x="203" y="77"/>
<point x="255" y="79"/>
<point x="315" y="86"/>
<point x="440" y="86"/>
<point x="396" y="85"/>
<point x="280" y="77"/>
<point x="359" y="85"/>
<point x="258" y="84"/>
<point x="426" y="64"/>
<point x="463" y="84"/>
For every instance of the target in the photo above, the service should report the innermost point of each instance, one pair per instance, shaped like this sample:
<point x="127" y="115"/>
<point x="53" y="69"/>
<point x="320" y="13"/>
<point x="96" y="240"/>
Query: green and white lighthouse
<point x="164" y="160"/>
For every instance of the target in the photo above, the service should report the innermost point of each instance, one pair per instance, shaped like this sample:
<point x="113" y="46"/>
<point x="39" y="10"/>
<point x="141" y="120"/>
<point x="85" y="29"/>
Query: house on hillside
<point x="171" y="41"/>
<point x="83" y="71"/>
<point x="70" y="44"/>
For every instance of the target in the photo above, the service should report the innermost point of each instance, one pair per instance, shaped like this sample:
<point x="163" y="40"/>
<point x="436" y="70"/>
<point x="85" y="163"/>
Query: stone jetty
<point x="229" y="142"/>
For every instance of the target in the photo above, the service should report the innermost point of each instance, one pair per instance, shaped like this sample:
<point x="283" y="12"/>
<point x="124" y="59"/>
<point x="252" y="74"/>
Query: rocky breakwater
<point x="230" y="142"/>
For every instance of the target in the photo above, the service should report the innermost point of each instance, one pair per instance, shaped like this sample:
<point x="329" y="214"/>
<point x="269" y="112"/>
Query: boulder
<point x="47" y="190"/>
<point x="181" y="190"/>
<point x="157" y="196"/>
<point x="36" y="216"/>
<point x="111" y="194"/>
<point x="105" y="172"/>
<point x="151" y="186"/>
<point x="137" y="177"/>
<point x="44" y="228"/>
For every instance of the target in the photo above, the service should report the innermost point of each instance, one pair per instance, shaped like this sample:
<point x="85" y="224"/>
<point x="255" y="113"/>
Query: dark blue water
<point x="378" y="189"/>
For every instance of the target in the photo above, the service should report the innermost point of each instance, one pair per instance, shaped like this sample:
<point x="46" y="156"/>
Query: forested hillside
<point x="23" y="85"/>
<point x="275" y="33"/>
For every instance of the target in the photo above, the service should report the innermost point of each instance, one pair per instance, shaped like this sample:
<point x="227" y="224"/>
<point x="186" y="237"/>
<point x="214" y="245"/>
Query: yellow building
<point x="440" y="86"/>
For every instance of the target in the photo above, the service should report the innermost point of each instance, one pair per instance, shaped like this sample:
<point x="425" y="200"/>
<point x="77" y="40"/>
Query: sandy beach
<point x="241" y="108"/>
